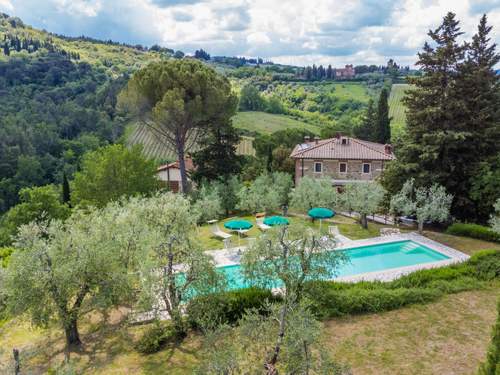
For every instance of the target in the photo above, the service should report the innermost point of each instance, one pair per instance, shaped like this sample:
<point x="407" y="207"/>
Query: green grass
<point x="397" y="108"/>
<point x="268" y="123"/>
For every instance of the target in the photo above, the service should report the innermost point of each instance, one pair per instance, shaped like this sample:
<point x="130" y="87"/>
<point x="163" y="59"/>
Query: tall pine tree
<point x="66" y="193"/>
<point x="366" y="130"/>
<point x="450" y="114"/>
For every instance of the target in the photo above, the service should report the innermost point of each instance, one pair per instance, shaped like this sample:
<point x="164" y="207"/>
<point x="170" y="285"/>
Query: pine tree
<point x="66" y="193"/>
<point x="329" y="72"/>
<point x="6" y="49"/>
<point x="366" y="130"/>
<point x="383" y="122"/>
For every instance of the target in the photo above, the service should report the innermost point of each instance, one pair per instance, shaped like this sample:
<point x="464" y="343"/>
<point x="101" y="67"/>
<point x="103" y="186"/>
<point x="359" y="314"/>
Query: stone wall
<point x="331" y="169"/>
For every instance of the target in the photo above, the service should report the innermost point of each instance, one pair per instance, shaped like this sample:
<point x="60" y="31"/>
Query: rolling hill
<point x="267" y="123"/>
<point x="397" y="108"/>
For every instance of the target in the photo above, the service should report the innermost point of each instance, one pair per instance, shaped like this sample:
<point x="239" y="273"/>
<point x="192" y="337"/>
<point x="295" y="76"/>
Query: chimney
<point x="316" y="139"/>
<point x="306" y="138"/>
<point x="338" y="135"/>
<point x="388" y="149"/>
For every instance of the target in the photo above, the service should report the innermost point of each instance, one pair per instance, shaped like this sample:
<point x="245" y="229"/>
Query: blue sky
<point x="297" y="32"/>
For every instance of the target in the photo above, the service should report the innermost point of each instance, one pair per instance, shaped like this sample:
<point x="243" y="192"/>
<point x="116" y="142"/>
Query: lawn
<point x="268" y="123"/>
<point x="446" y="337"/>
<point x="347" y="226"/>
<point x="397" y="108"/>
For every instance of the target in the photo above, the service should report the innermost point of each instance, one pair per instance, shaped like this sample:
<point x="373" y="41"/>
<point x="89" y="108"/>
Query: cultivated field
<point x="267" y="123"/>
<point x="155" y="149"/>
<point x="397" y="108"/>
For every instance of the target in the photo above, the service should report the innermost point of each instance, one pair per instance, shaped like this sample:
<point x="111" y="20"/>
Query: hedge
<point x="227" y="307"/>
<point x="474" y="230"/>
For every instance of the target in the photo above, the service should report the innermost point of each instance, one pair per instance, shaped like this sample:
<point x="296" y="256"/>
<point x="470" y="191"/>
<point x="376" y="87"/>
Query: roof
<point x="355" y="149"/>
<point x="175" y="165"/>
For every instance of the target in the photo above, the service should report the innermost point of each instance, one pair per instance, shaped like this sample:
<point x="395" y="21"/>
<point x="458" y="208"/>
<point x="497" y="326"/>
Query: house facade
<point x="342" y="159"/>
<point x="170" y="174"/>
<point x="345" y="73"/>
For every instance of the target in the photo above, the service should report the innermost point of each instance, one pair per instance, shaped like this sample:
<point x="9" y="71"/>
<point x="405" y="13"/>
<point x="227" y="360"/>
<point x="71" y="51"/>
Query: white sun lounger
<point x="261" y="225"/>
<point x="219" y="233"/>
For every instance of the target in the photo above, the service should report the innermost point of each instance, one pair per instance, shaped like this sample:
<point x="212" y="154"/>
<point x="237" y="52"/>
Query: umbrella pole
<point x="320" y="222"/>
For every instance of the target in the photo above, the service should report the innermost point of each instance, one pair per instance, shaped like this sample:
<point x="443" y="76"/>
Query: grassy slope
<point x="396" y="108"/>
<point x="268" y="123"/>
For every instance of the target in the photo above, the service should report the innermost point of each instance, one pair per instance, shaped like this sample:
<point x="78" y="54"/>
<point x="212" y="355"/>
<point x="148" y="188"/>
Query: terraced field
<point x="155" y="149"/>
<point x="397" y="108"/>
<point x="268" y="123"/>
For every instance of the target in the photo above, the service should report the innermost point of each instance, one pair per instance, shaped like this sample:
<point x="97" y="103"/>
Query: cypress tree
<point x="366" y="130"/>
<point x="383" y="122"/>
<point x="66" y="193"/>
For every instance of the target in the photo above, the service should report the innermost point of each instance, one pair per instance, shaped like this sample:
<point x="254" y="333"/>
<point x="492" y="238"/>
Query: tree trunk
<point x="182" y="166"/>
<point x="420" y="227"/>
<point x="17" y="366"/>
<point x="364" y="221"/>
<point x="270" y="365"/>
<point x="72" y="335"/>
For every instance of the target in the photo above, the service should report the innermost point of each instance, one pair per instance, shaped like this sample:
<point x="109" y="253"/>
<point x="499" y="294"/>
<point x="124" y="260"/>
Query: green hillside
<point x="397" y="108"/>
<point x="268" y="123"/>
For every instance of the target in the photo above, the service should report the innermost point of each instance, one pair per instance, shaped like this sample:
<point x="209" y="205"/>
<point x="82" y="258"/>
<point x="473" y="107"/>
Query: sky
<point x="297" y="32"/>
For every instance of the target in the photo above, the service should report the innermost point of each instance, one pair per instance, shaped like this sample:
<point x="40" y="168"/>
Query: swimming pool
<point x="361" y="260"/>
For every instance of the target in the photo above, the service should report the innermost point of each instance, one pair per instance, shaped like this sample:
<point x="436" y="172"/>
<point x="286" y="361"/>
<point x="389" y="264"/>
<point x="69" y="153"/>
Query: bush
<point x="155" y="337"/>
<point x="212" y="310"/>
<point x="492" y="364"/>
<point x="486" y="264"/>
<point x="473" y="230"/>
<point x="5" y="253"/>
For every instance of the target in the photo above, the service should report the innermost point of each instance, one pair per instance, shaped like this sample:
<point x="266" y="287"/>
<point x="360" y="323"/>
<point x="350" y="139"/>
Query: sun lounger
<point x="261" y="225"/>
<point x="219" y="233"/>
<point x="333" y="230"/>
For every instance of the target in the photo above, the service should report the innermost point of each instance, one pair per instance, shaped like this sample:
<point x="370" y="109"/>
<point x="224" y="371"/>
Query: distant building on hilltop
<point x="345" y="73"/>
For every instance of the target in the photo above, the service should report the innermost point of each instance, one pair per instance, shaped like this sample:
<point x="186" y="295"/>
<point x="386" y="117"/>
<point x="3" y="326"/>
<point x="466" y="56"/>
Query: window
<point x="343" y="167"/>
<point x="344" y="141"/>
<point x="366" y="167"/>
<point x="318" y="167"/>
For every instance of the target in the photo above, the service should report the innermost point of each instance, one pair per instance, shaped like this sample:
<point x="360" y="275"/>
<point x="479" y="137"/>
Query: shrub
<point x="155" y="337"/>
<point x="486" y="264"/>
<point x="5" y="253"/>
<point x="210" y="311"/>
<point x="492" y="364"/>
<point x="473" y="230"/>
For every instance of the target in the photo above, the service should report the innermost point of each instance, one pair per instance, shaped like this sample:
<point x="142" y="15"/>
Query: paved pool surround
<point x="233" y="256"/>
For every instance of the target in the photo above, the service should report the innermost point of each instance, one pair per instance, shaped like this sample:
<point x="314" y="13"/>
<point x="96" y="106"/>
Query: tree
<point x="228" y="188"/>
<point x="237" y="350"/>
<point x="112" y="172"/>
<point x="250" y="99"/>
<point x="363" y="198"/>
<point x="274" y="105"/>
<point x="261" y="195"/>
<point x="208" y="204"/>
<point x="170" y="227"/>
<point x="427" y="203"/>
<point x="383" y="122"/>
<point x="179" y="100"/>
<point x="281" y="160"/>
<point x="366" y="130"/>
<point x="492" y="364"/>
<point x="217" y="157"/>
<point x="495" y="220"/>
<point x="37" y="204"/>
<point x="282" y="183"/>
<point x="64" y="270"/>
<point x="288" y="257"/>
<point x="313" y="193"/>
<point x="452" y="117"/>
<point x="66" y="193"/>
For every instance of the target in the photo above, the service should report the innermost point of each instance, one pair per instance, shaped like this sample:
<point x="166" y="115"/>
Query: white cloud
<point x="6" y="6"/>
<point x="296" y="31"/>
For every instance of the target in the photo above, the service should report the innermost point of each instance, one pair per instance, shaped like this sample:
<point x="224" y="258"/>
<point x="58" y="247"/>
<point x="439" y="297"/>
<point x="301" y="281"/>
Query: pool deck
<point x="232" y="256"/>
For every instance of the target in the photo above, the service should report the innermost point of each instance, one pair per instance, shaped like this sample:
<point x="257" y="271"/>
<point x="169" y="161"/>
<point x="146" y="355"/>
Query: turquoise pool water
<point x="361" y="260"/>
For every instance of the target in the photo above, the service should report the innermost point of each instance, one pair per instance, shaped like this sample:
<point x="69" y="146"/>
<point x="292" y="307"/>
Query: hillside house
<point x="170" y="174"/>
<point x="345" y="73"/>
<point x="342" y="159"/>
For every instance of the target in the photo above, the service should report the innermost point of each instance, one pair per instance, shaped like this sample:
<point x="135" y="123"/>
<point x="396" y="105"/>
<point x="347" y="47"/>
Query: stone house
<point x="342" y="159"/>
<point x="345" y="73"/>
<point x="170" y="174"/>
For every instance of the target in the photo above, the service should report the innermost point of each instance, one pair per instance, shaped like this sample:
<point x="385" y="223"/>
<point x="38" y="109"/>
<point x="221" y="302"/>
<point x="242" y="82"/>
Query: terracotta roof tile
<point x="175" y="165"/>
<point x="334" y="149"/>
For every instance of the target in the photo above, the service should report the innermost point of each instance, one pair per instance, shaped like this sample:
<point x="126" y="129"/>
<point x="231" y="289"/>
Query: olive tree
<point x="64" y="270"/>
<point x="495" y="220"/>
<point x="427" y="203"/>
<point x="261" y="195"/>
<point x="179" y="101"/>
<point x="363" y="198"/>
<point x="208" y="203"/>
<point x="313" y="192"/>
<point x="241" y="349"/>
<point x="173" y="266"/>
<point x="286" y="258"/>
